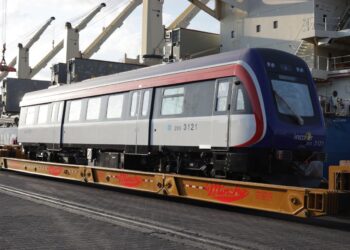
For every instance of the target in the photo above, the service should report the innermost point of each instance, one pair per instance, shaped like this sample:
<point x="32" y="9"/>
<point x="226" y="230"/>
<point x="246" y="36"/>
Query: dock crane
<point x="69" y="42"/>
<point x="3" y="65"/>
<point x="184" y="19"/>
<point x="24" y="50"/>
<point x="155" y="46"/>
<point x="108" y="31"/>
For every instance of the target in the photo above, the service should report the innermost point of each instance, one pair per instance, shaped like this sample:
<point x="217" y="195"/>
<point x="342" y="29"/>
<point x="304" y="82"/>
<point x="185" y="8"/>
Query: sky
<point x="25" y="17"/>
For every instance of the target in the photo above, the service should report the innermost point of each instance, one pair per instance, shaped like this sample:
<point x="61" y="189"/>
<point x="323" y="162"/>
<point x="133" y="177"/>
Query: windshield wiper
<point x="298" y="118"/>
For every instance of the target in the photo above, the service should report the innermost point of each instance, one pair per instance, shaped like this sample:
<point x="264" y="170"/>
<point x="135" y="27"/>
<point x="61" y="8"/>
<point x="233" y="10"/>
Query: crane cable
<point x="4" y="26"/>
<point x="3" y="65"/>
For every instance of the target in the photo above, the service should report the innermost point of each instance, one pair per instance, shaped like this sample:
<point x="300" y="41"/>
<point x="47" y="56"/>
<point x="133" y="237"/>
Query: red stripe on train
<point x="248" y="82"/>
<point x="173" y="79"/>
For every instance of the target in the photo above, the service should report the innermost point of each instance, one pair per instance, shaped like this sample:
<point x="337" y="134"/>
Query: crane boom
<point x="38" y="34"/>
<point x="108" y="31"/>
<point x="89" y="17"/>
<point x="184" y="19"/>
<point x="43" y="62"/>
<point x="214" y="13"/>
<point x="29" y="44"/>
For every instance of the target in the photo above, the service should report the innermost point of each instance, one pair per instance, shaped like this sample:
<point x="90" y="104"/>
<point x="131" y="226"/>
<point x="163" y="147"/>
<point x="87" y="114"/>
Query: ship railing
<point x="338" y="63"/>
<point x="327" y="63"/>
<point x="316" y="62"/>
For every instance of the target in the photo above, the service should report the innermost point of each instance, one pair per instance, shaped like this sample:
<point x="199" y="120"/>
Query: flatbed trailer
<point x="295" y="201"/>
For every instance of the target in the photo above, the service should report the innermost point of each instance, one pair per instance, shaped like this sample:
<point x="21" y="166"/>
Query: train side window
<point x="240" y="103"/>
<point x="43" y="112"/>
<point x="30" y="115"/>
<point x="240" y="100"/>
<point x="54" y="112"/>
<point x="145" y="102"/>
<point x="23" y="116"/>
<point x="222" y="95"/>
<point x="74" y="111"/>
<point x="134" y="102"/>
<point x="173" y="101"/>
<point x="93" y="108"/>
<point x="115" y="106"/>
<point x="60" y="112"/>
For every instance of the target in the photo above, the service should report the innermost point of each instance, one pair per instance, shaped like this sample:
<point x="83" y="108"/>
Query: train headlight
<point x="284" y="155"/>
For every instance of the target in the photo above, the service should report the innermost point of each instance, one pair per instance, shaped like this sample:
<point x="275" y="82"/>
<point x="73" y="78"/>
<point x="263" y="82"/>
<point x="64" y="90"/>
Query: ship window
<point x="134" y="101"/>
<point x="258" y="28"/>
<point x="275" y="24"/>
<point x="93" y="108"/>
<point x="115" y="106"/>
<point x="30" y="115"/>
<point x="222" y="95"/>
<point x="173" y="101"/>
<point x="74" y="111"/>
<point x="324" y="18"/>
<point x="240" y="105"/>
<point x="145" y="102"/>
<point x="42" y="118"/>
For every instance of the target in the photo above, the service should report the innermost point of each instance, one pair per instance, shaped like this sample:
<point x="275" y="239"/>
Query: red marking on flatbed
<point x="128" y="180"/>
<point x="226" y="194"/>
<point x="56" y="171"/>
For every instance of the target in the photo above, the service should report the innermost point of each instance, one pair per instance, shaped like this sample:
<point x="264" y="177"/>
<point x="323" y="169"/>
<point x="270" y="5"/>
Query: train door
<point x="139" y="114"/>
<point x="221" y="113"/>
<point x="56" y="119"/>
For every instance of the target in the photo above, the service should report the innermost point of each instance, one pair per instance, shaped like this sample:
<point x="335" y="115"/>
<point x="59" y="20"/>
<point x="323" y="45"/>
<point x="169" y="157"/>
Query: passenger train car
<point x="249" y="114"/>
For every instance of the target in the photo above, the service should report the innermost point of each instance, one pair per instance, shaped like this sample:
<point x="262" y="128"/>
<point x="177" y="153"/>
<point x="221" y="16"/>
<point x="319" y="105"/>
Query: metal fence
<point x="327" y="63"/>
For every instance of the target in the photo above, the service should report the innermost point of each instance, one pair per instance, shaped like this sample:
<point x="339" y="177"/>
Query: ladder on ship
<point x="344" y="20"/>
<point x="306" y="52"/>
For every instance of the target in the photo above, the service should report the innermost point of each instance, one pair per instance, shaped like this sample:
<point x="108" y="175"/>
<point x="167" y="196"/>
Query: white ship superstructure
<point x="315" y="30"/>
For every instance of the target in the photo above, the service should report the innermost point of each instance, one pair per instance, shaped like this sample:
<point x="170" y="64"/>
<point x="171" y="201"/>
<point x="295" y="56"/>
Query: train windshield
<point x="292" y="97"/>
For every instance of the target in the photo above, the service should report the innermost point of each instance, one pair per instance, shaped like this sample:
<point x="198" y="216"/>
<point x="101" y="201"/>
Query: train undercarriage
<point x="265" y="166"/>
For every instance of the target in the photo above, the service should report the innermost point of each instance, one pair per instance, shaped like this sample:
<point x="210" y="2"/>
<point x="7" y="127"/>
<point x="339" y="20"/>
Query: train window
<point x="30" y="115"/>
<point x="54" y="112"/>
<point x="57" y="110"/>
<point x="60" y="112"/>
<point x="145" y="103"/>
<point x="115" y="106"/>
<point x="74" y="111"/>
<point x="173" y="101"/>
<point x="23" y="116"/>
<point x="93" y="108"/>
<point x="240" y="105"/>
<point x="42" y="117"/>
<point x="222" y="95"/>
<point x="134" y="101"/>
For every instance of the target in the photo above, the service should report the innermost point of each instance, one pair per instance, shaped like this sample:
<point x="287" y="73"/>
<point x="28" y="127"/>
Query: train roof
<point x="143" y="73"/>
